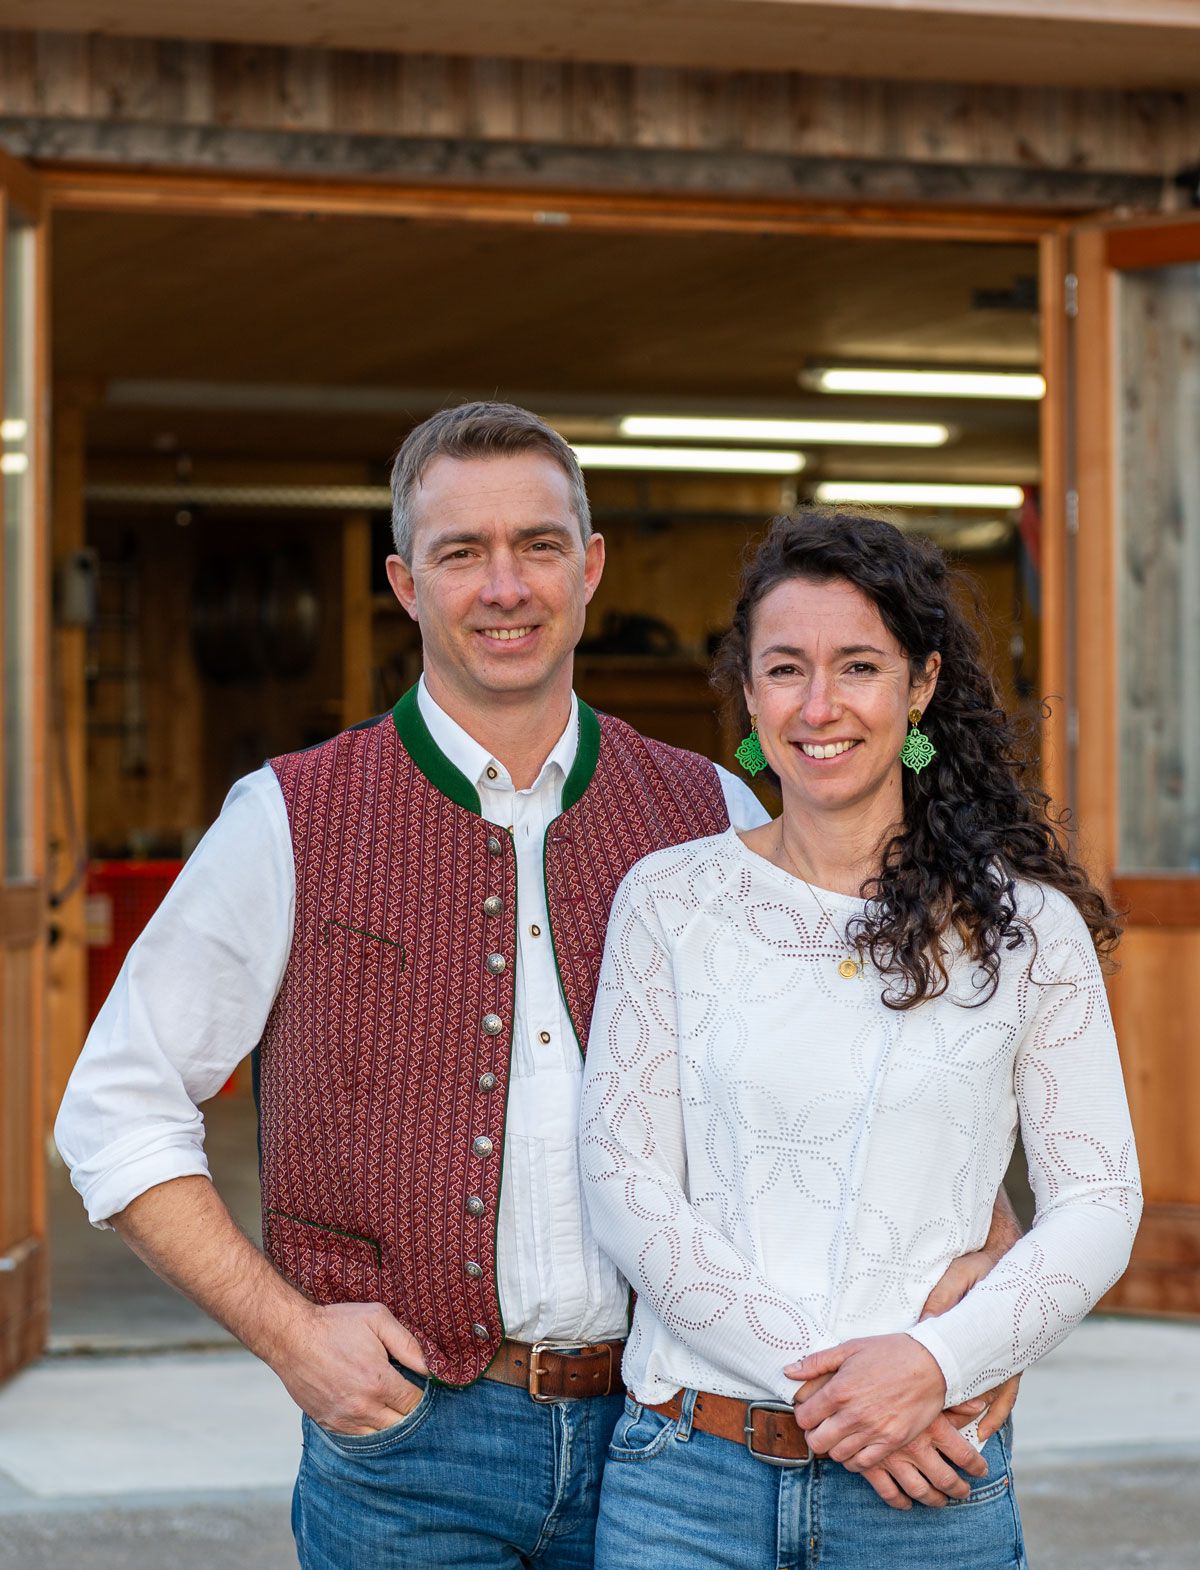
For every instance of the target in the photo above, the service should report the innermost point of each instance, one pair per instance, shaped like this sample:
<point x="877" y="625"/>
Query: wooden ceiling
<point x="568" y="320"/>
<point x="1117" y="43"/>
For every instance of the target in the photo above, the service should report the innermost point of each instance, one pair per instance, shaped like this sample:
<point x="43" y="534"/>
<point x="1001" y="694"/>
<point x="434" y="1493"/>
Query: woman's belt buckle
<point x="761" y="1455"/>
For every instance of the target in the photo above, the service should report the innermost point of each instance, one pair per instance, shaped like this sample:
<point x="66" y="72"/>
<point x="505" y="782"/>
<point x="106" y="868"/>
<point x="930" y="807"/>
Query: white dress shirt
<point x="780" y="1162"/>
<point x="196" y="988"/>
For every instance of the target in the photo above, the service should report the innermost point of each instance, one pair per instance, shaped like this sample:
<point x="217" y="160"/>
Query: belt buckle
<point x="535" y="1369"/>
<point x="748" y="1429"/>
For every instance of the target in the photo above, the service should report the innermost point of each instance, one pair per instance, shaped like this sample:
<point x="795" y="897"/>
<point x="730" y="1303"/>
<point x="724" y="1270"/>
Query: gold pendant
<point x="848" y="969"/>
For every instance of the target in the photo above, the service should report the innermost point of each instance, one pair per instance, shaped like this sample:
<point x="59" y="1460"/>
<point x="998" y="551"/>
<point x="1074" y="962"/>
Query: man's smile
<point x="506" y="634"/>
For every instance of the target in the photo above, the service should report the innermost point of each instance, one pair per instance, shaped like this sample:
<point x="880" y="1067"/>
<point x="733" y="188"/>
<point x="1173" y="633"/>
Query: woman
<point x="810" y="1052"/>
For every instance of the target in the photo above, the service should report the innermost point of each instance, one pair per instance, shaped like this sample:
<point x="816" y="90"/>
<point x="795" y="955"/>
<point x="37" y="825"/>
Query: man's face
<point x="500" y="577"/>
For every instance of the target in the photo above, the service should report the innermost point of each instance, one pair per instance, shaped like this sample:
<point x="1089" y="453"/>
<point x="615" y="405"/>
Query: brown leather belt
<point x="768" y="1429"/>
<point x="560" y="1371"/>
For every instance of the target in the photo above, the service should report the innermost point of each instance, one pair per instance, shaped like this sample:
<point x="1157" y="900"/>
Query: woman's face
<point x="829" y="687"/>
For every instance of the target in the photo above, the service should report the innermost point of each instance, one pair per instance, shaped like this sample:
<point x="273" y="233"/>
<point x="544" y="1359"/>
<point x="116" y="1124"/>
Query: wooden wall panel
<point x="23" y="1258"/>
<point x="1156" y="1005"/>
<point x="266" y="88"/>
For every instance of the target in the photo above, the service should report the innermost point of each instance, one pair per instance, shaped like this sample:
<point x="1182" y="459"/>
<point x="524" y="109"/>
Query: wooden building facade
<point x="1062" y="140"/>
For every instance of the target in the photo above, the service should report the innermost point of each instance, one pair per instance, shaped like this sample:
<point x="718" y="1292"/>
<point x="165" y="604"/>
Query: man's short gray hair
<point x="477" y="430"/>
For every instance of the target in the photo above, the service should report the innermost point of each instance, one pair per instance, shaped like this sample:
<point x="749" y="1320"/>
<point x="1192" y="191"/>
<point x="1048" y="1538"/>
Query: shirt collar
<point x="474" y="760"/>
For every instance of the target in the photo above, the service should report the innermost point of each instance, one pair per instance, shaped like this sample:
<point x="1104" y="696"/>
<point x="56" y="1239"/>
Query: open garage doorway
<point x="228" y="393"/>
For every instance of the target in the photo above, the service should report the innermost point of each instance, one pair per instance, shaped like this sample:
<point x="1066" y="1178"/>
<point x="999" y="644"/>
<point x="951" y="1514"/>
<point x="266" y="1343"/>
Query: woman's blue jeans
<point x="477" y="1479"/>
<point x="675" y="1498"/>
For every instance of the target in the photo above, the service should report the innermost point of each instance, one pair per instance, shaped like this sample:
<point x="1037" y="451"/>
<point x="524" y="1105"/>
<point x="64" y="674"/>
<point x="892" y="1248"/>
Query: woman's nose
<point x="820" y="705"/>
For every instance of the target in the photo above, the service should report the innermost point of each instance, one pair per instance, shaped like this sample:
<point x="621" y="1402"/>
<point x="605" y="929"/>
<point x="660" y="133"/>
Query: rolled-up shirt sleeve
<point x="1078" y="1140"/>
<point x="190" y="1003"/>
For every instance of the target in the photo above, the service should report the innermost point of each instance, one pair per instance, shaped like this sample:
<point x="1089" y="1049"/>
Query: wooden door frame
<point x="82" y="189"/>
<point x="24" y="1271"/>
<point x="72" y="188"/>
<point x="1161" y="911"/>
<point x="1100" y="251"/>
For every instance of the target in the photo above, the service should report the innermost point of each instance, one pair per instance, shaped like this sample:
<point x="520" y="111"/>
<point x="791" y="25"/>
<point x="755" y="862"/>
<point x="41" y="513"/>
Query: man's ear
<point x="403" y="584"/>
<point x="593" y="566"/>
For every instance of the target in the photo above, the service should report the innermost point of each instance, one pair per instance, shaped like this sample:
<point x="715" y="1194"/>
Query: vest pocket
<point x="326" y="1263"/>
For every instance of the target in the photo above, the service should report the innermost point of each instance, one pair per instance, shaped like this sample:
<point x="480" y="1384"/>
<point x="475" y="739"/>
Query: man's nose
<point x="505" y="586"/>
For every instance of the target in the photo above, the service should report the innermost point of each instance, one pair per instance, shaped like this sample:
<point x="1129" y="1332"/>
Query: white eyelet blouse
<point x="778" y="1162"/>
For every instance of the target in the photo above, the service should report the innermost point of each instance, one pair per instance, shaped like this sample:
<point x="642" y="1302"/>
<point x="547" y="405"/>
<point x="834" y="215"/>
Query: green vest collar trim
<point x="452" y="782"/>
<point x="429" y="757"/>
<point x="586" y="757"/>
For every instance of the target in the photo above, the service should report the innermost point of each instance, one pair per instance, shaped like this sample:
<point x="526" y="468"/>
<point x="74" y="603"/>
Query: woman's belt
<point x="768" y="1429"/>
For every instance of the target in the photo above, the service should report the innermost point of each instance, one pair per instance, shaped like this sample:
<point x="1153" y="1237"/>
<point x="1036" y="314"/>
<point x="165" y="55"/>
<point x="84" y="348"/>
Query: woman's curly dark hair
<point x="976" y="818"/>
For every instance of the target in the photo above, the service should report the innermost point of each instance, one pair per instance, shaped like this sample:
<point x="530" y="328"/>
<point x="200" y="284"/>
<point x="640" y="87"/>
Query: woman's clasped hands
<point x="875" y="1405"/>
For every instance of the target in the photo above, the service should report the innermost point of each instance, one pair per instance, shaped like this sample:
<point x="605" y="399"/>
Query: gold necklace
<point x="847" y="968"/>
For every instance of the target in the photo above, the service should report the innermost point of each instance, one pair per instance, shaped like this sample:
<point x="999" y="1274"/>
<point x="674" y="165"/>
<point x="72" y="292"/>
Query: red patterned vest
<point x="384" y="1063"/>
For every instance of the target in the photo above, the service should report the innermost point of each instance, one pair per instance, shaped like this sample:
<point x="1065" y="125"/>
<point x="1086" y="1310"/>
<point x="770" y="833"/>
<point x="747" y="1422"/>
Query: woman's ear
<point x="925" y="686"/>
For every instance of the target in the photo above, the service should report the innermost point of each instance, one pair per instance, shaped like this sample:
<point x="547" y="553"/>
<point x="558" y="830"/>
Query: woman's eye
<point x="863" y="667"/>
<point x="782" y="670"/>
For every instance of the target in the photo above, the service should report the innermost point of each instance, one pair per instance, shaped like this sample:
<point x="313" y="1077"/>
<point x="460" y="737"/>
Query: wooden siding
<point x="1136" y="43"/>
<point x="150" y="87"/>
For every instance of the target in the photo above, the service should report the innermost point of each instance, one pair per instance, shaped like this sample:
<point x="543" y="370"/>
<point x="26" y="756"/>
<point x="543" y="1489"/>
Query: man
<point x="408" y="920"/>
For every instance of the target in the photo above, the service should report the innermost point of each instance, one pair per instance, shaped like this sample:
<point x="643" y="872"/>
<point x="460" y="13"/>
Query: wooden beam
<point x="464" y="162"/>
<point x="21" y="186"/>
<point x="357" y="643"/>
<point x="1054" y="671"/>
<point x="1159" y="900"/>
<point x="24" y="1303"/>
<point x="66" y="991"/>
<point x="1095" y="583"/>
<point x="1164" y="1273"/>
<point x="70" y="189"/>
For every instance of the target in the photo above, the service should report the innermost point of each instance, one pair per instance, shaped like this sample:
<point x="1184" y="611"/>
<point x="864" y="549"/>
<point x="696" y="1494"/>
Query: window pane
<point x="1158" y="580"/>
<point x="16" y="465"/>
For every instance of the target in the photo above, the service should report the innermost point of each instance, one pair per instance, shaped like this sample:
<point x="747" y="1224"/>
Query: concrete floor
<point x="184" y="1460"/>
<point x="112" y="1459"/>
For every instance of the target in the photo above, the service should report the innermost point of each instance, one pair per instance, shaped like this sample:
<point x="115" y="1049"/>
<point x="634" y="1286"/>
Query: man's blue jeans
<point x="477" y="1479"/>
<point x="678" y="1499"/>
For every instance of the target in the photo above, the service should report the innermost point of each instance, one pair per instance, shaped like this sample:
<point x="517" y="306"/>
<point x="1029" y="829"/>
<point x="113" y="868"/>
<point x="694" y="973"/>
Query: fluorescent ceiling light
<point x="14" y="463"/>
<point x="13" y="430"/>
<point x="903" y="495"/>
<point x="710" y="460"/>
<point x="857" y="432"/>
<point x="925" y="384"/>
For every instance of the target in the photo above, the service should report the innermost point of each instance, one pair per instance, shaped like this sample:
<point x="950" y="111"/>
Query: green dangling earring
<point x="917" y="750"/>
<point x="749" y="752"/>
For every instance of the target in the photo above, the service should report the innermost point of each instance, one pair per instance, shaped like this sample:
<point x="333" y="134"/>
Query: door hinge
<point x="1072" y="512"/>
<point x="1072" y="727"/>
<point x="1071" y="295"/>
